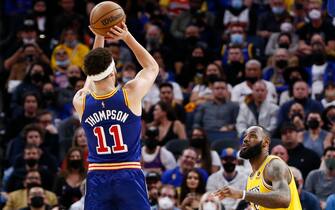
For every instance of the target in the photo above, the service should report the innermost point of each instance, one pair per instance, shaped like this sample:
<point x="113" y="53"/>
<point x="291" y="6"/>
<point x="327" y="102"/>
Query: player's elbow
<point x="285" y="201"/>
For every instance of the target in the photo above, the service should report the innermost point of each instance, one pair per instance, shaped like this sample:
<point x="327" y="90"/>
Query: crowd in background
<point x="224" y="65"/>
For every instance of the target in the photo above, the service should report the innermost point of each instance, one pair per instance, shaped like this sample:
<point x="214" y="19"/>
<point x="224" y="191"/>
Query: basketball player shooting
<point x="271" y="184"/>
<point x="111" y="118"/>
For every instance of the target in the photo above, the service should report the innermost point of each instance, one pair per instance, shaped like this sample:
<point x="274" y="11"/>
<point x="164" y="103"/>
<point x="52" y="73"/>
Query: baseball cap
<point x="228" y="152"/>
<point x="29" y="25"/>
<point x="153" y="176"/>
<point x="288" y="127"/>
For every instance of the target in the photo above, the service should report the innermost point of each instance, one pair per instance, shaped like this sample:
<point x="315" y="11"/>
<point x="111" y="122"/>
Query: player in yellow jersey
<point x="271" y="184"/>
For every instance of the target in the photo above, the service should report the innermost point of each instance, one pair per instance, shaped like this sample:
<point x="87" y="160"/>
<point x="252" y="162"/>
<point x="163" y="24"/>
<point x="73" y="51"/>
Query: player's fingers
<point x="117" y="28"/>
<point x="115" y="32"/>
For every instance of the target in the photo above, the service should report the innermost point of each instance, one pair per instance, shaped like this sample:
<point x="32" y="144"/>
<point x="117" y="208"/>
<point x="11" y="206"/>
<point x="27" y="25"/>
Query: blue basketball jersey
<point x="112" y="129"/>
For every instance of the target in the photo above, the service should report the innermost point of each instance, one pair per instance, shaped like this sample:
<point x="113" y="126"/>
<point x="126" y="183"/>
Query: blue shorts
<point x="123" y="189"/>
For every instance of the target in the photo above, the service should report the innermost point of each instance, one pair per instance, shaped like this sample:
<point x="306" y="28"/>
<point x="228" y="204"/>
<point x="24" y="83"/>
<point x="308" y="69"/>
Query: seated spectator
<point x="219" y="114"/>
<point x="286" y="39"/>
<point x="67" y="185"/>
<point x="18" y="198"/>
<point x="321" y="182"/>
<point x="61" y="63"/>
<point x="166" y="95"/>
<point x="79" y="205"/>
<point x="280" y="151"/>
<point x="80" y="141"/>
<point x="168" y="199"/>
<point x="315" y="138"/>
<point x="168" y="127"/>
<point x="270" y="21"/>
<point x="128" y="73"/>
<point x="308" y="200"/>
<point x="253" y="73"/>
<point x="210" y="202"/>
<point x="202" y="92"/>
<point x="229" y="175"/>
<point x="192" y="188"/>
<point x="329" y="95"/>
<point x="297" y="115"/>
<point x="321" y="71"/>
<point x="154" y="157"/>
<point x="234" y="65"/>
<point x="153" y="180"/>
<point x="31" y="160"/>
<point x="37" y="199"/>
<point x="300" y="95"/>
<point x="237" y="12"/>
<point x="74" y="48"/>
<point x="300" y="157"/>
<point x="50" y="143"/>
<point x="207" y="159"/>
<point x="256" y="110"/>
<point x="121" y="54"/>
<point x="275" y="73"/>
<point x="328" y="117"/>
<point x="186" y="163"/>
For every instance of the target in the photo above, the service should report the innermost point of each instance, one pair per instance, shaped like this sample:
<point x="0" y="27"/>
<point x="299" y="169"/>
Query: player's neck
<point x="104" y="86"/>
<point x="258" y="161"/>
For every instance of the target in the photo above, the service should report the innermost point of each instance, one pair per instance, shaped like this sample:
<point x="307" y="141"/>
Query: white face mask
<point x="29" y="41"/>
<point x="165" y="203"/>
<point x="209" y="206"/>
<point x="314" y="14"/>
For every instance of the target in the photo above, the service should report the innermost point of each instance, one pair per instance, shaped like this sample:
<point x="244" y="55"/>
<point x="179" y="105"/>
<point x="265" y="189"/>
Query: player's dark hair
<point x="97" y="61"/>
<point x="165" y="84"/>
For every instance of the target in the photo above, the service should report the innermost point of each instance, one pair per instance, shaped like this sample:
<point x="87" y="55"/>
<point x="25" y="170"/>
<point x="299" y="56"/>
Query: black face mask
<point x="151" y="144"/>
<point x="37" y="201"/>
<point x="313" y="124"/>
<point x="252" y="80"/>
<point x="212" y="78"/>
<point x="33" y="184"/>
<point x="198" y="143"/>
<point x="48" y="96"/>
<point x="73" y="81"/>
<point x="31" y="162"/>
<point x="39" y="14"/>
<point x="229" y="167"/>
<point x="282" y="64"/>
<point x="298" y="114"/>
<point x="37" y="77"/>
<point x="192" y="40"/>
<point x="331" y="118"/>
<point x="293" y="80"/>
<point x="198" y="60"/>
<point x="301" y="100"/>
<point x="284" y="45"/>
<point x="319" y="57"/>
<point x="75" y="164"/>
<point x="30" y="58"/>
<point x="251" y="152"/>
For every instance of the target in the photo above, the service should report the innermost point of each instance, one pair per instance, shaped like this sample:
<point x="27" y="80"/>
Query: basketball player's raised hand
<point x="118" y="33"/>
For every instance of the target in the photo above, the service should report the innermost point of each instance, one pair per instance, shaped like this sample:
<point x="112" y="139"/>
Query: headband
<point x="104" y="74"/>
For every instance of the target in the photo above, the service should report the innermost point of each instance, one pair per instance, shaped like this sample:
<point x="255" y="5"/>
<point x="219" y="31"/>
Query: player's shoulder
<point x="275" y="168"/>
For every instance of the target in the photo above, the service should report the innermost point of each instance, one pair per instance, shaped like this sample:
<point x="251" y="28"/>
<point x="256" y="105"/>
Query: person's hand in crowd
<point x="190" y="201"/>
<point x="52" y="129"/>
<point x="298" y="122"/>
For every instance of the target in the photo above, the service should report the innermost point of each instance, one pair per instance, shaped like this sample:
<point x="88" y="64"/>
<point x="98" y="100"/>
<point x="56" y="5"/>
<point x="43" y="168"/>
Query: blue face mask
<point x="237" y="4"/>
<point x="64" y="63"/>
<point x="236" y="38"/>
<point x="71" y="44"/>
<point x="278" y="10"/>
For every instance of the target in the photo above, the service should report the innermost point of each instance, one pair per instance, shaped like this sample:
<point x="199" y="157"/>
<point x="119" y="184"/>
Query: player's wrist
<point x="243" y="193"/>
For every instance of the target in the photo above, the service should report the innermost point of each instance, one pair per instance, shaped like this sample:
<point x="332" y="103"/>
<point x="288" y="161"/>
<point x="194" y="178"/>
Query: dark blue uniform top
<point x="112" y="129"/>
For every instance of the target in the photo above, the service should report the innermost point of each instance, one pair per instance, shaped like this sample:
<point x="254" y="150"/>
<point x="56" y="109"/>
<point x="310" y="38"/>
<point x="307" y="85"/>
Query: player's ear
<point x="266" y="141"/>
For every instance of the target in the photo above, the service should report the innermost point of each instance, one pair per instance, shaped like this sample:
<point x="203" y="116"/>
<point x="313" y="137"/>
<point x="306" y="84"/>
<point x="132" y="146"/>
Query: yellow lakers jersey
<point x="256" y="183"/>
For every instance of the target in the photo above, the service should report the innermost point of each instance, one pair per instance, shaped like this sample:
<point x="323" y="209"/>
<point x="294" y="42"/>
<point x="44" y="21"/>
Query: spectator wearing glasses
<point x="37" y="199"/>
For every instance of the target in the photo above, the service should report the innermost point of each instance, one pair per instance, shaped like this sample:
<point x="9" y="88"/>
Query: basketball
<point x="104" y="16"/>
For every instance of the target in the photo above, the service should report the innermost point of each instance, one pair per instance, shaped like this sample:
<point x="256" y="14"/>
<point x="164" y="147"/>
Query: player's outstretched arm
<point x="278" y="174"/>
<point x="143" y="81"/>
<point x="99" y="41"/>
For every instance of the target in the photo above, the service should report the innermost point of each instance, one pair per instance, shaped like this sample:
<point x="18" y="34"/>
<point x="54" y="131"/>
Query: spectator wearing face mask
<point x="275" y="72"/>
<point x="329" y="95"/>
<point x="236" y="12"/>
<point x="67" y="184"/>
<point x="308" y="200"/>
<point x="62" y="61"/>
<point x="153" y="180"/>
<point x="286" y="39"/>
<point x="37" y="199"/>
<point x="229" y="175"/>
<point x="154" y="157"/>
<point x="18" y="199"/>
<point x="253" y="73"/>
<point x="317" y="24"/>
<point x="74" y="48"/>
<point x="168" y="198"/>
<point x="208" y="202"/>
<point x="235" y="64"/>
<point x="315" y="138"/>
<point x="321" y="182"/>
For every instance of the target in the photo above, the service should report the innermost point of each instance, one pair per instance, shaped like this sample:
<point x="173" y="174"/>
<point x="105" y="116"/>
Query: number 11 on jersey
<point x="115" y="132"/>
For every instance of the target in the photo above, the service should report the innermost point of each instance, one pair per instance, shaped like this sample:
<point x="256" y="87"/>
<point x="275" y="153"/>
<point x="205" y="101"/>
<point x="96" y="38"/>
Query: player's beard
<point x="251" y="152"/>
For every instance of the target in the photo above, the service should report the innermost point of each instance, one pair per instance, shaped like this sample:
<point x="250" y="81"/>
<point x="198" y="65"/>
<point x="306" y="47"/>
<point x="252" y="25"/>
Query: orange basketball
<point x="104" y="16"/>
